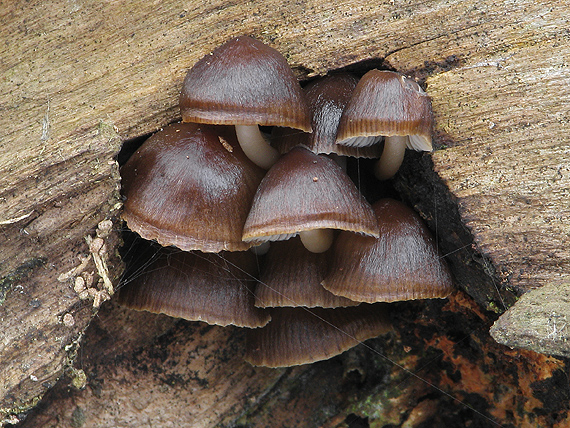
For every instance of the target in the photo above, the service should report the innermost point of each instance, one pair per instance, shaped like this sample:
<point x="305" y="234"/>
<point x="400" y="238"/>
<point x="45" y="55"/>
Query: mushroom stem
<point x="255" y="146"/>
<point x="317" y="240"/>
<point x="392" y="157"/>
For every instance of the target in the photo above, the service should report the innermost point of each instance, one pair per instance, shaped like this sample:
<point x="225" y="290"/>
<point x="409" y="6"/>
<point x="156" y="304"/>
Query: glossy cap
<point x="292" y="276"/>
<point x="301" y="336"/>
<point x="327" y="98"/>
<point x="305" y="191"/>
<point x="190" y="186"/>
<point x="402" y="264"/>
<point x="244" y="82"/>
<point x="214" y="288"/>
<point x="386" y="103"/>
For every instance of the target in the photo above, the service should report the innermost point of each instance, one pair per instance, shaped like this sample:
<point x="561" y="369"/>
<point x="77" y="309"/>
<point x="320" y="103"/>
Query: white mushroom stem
<point x="392" y="157"/>
<point x="317" y="240"/>
<point x="255" y="146"/>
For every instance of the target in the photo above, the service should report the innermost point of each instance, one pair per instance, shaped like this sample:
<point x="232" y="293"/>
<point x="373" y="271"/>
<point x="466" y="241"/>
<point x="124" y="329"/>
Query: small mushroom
<point x="214" y="288"/>
<point x="292" y="275"/>
<point x="387" y="104"/>
<point x="327" y="98"/>
<point x="190" y="186"/>
<point x="297" y="336"/>
<point x="308" y="194"/>
<point x="401" y="264"/>
<point x="245" y="83"/>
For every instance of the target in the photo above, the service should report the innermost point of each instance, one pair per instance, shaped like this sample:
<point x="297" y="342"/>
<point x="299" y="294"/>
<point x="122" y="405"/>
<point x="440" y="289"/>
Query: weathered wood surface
<point x="540" y="321"/>
<point x="77" y="78"/>
<point x="137" y="369"/>
<point x="192" y="374"/>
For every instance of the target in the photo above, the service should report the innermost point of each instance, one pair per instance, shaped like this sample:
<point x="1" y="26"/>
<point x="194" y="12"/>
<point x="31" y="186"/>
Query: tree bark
<point x="81" y="78"/>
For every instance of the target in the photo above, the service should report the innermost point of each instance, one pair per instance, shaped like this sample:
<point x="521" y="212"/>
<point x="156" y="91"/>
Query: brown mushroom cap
<point x="190" y="186"/>
<point x="301" y="336"/>
<point x="244" y="82"/>
<point x="327" y="98"/>
<point x="305" y="191"/>
<point x="386" y="103"/>
<point x="292" y="275"/>
<point x="402" y="264"/>
<point x="215" y="288"/>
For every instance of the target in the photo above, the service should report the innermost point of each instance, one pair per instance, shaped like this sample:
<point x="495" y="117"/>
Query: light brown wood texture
<point x="78" y="78"/>
<point x="539" y="321"/>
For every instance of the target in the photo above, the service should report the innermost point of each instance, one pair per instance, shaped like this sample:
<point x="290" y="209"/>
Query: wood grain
<point x="78" y="78"/>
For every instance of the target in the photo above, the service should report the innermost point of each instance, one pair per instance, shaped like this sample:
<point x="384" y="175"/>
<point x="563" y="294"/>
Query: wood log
<point x="539" y="321"/>
<point x="439" y="367"/>
<point x="81" y="78"/>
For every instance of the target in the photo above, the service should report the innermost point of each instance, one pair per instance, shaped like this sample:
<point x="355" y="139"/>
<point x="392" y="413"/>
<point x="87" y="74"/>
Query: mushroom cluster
<point x="257" y="159"/>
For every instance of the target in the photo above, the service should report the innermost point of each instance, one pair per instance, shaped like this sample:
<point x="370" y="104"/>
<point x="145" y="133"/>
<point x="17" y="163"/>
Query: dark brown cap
<point x="244" y="82"/>
<point x="301" y="336"/>
<point x="327" y="98"/>
<point x="292" y="275"/>
<point x="214" y="288"/>
<point x="402" y="264"/>
<point x="190" y="186"/>
<point x="305" y="191"/>
<point x="386" y="103"/>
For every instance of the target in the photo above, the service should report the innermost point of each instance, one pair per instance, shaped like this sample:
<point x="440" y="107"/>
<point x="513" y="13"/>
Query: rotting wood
<point x="80" y="77"/>
<point x="540" y="321"/>
<point x="139" y="368"/>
